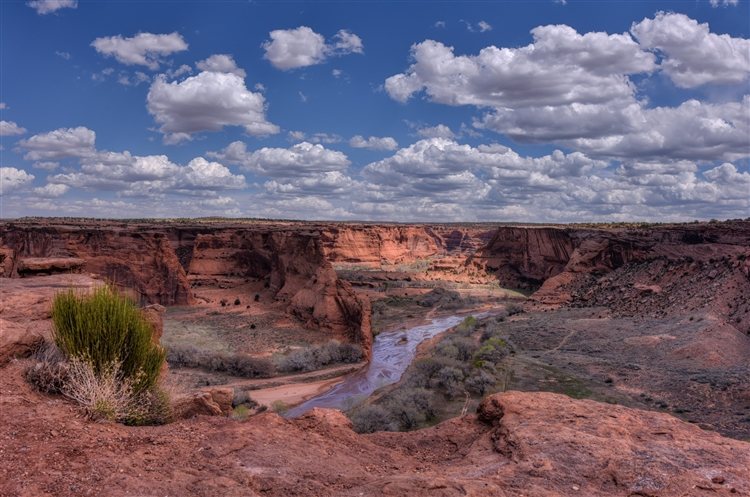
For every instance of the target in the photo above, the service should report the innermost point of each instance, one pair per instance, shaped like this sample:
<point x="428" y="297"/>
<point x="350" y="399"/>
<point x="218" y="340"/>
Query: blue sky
<point x="372" y="110"/>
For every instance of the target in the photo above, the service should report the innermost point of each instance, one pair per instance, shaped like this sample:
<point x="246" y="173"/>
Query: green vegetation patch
<point x="105" y="328"/>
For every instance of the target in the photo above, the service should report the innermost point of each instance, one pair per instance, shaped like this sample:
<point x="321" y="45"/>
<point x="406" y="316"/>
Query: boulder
<point x="207" y="402"/>
<point x="18" y="340"/>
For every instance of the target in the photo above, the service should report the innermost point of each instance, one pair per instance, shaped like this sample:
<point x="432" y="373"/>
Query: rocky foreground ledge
<point x="533" y="444"/>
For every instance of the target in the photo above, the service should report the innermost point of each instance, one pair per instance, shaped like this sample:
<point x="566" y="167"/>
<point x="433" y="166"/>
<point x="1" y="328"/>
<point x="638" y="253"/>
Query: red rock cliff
<point x="159" y="260"/>
<point x="293" y="264"/>
<point x="398" y="244"/>
<point x="138" y="258"/>
<point x="525" y="257"/>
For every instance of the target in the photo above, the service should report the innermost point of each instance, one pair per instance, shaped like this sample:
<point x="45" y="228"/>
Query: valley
<point x="509" y="327"/>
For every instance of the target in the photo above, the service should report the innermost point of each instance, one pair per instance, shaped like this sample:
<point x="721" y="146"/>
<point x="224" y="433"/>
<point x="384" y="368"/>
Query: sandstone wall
<point x="293" y="264"/>
<point x="158" y="261"/>
<point x="139" y="259"/>
<point x="399" y="244"/>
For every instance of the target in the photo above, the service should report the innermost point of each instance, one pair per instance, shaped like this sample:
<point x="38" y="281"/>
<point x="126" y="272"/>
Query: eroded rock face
<point x="525" y="257"/>
<point x="296" y="271"/>
<point x="158" y="262"/>
<point x="215" y="401"/>
<point x="395" y="244"/>
<point x="660" y="272"/>
<point x="140" y="259"/>
<point x="32" y="266"/>
<point x="25" y="310"/>
<point x="655" y="271"/>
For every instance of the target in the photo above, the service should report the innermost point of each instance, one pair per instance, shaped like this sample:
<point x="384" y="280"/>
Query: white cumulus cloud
<point x="692" y="55"/>
<point x="302" y="159"/>
<point x="373" y="142"/>
<point x="144" y="49"/>
<point x="12" y="178"/>
<point x="207" y="101"/>
<point x="9" y="128"/>
<point x="438" y="131"/>
<point x="302" y="47"/>
<point x="59" y="144"/>
<point x="51" y="190"/>
<point x="560" y="67"/>
<point x="221" y="63"/>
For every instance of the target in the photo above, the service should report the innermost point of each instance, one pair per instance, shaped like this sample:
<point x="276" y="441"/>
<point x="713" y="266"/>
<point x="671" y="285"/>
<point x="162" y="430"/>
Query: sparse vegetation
<point x="279" y="406"/>
<point x="318" y="356"/>
<point x="50" y="371"/>
<point x="463" y="365"/>
<point x="241" y="365"/>
<point x="372" y="418"/>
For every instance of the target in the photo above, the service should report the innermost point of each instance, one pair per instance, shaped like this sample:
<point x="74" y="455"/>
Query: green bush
<point x="467" y="325"/>
<point x="106" y="328"/>
<point x="492" y="350"/>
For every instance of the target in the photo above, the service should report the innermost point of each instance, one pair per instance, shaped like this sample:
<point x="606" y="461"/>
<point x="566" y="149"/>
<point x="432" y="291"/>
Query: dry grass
<point x="103" y="395"/>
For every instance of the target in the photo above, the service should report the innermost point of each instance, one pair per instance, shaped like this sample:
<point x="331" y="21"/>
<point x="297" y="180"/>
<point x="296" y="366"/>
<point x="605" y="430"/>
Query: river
<point x="392" y="352"/>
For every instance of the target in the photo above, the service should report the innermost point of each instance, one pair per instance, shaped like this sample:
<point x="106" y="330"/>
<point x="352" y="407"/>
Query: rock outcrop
<point x="35" y="266"/>
<point x="525" y="257"/>
<point x="536" y="444"/>
<point x="25" y="305"/>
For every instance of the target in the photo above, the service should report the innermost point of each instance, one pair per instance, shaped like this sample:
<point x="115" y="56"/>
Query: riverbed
<point x="392" y="352"/>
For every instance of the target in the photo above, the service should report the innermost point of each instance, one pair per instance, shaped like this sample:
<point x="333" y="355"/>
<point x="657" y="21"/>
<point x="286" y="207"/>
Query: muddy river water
<point x="392" y="352"/>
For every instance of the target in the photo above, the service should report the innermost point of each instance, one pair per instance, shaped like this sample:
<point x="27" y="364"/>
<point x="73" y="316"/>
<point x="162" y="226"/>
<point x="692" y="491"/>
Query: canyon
<point x="655" y="318"/>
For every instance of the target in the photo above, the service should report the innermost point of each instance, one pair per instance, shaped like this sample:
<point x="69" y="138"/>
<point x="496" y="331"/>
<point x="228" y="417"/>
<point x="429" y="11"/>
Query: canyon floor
<point x="629" y="358"/>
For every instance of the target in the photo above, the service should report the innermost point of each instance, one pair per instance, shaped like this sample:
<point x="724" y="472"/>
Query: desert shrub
<point x="450" y="381"/>
<point x="102" y="394"/>
<point x="312" y="358"/>
<point x="105" y="329"/>
<point x="489" y="332"/>
<point x="467" y="325"/>
<point x="150" y="407"/>
<point x="480" y="382"/>
<point x="233" y="364"/>
<point x="242" y="398"/>
<point x="299" y="360"/>
<point x="465" y="347"/>
<point x="240" y="412"/>
<point x="108" y="395"/>
<point x="424" y="370"/>
<point x="410" y="407"/>
<point x="371" y="418"/>
<point x="513" y="309"/>
<point x="447" y="349"/>
<point x="493" y="350"/>
<point x="50" y="371"/>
